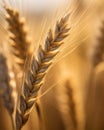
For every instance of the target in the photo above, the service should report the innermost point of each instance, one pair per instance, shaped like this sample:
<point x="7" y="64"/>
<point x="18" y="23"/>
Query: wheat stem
<point x="13" y="124"/>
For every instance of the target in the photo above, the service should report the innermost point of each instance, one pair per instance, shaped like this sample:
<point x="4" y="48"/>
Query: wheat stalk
<point x="19" y="41"/>
<point x="38" y="69"/>
<point x="98" y="55"/>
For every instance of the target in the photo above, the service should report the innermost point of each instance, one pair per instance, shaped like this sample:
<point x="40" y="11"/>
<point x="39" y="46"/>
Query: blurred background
<point x="72" y="97"/>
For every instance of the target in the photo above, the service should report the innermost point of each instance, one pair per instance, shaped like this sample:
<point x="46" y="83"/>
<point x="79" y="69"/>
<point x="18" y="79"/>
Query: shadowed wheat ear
<point x="97" y="58"/>
<point x="67" y="106"/>
<point x="98" y="55"/>
<point x="6" y="87"/>
<point x="4" y="84"/>
<point x="19" y="41"/>
<point x="38" y="68"/>
<point x="72" y="114"/>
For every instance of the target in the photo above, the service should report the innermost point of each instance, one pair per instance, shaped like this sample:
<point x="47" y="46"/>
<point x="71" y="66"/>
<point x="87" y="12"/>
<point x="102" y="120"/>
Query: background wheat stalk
<point x="19" y="40"/>
<point x="95" y="83"/>
<point x="38" y="69"/>
<point x="98" y="55"/>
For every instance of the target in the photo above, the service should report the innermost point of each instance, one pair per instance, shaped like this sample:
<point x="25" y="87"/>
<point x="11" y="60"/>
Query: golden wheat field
<point x="51" y="65"/>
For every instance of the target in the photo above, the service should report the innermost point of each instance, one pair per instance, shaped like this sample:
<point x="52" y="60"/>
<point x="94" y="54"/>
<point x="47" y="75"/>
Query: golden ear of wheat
<point x="5" y="86"/>
<point x="19" y="40"/>
<point x="71" y="103"/>
<point x="67" y="106"/>
<point x="99" y="48"/>
<point x="38" y="69"/>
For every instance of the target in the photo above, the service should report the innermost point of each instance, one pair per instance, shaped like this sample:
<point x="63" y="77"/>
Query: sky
<point x="40" y="5"/>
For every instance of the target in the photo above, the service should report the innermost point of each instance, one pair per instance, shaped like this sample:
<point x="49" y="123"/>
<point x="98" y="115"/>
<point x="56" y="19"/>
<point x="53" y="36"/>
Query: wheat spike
<point x="98" y="55"/>
<point x="19" y="40"/>
<point x="38" y="69"/>
<point x="5" y="87"/>
<point x="71" y="103"/>
<point x="67" y="106"/>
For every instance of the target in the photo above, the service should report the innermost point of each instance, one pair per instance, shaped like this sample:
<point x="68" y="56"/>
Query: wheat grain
<point x="19" y="40"/>
<point x="38" y="69"/>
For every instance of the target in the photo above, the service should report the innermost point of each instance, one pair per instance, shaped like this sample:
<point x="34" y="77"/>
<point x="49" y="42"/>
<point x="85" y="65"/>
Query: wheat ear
<point x="19" y="41"/>
<point x="4" y="83"/>
<point x="6" y="88"/>
<point x="70" y="94"/>
<point x="38" y="69"/>
<point x="67" y="106"/>
<point x="98" y="55"/>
